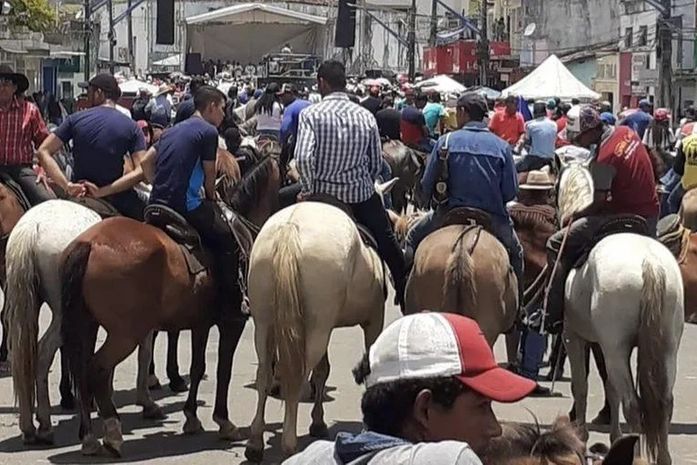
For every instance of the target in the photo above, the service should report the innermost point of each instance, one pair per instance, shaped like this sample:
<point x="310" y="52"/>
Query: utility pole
<point x="88" y="33"/>
<point x="434" y="23"/>
<point x="483" y="44"/>
<point x="129" y="25"/>
<point x="110" y="36"/>
<point x="664" y="56"/>
<point x="411" y="39"/>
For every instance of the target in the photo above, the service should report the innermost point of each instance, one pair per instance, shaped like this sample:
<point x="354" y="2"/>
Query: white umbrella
<point x="442" y="84"/>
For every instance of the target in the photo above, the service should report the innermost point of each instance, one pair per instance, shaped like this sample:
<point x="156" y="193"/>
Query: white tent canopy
<point x="172" y="60"/>
<point x="551" y="79"/>
<point x="442" y="84"/>
<point x="133" y="86"/>
<point x="247" y="31"/>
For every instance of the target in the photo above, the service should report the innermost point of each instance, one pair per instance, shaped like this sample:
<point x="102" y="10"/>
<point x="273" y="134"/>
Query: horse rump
<point x="77" y="321"/>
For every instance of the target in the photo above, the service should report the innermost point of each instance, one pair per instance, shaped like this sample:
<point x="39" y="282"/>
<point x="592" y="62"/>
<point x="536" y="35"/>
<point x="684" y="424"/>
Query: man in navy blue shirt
<point x="101" y="137"/>
<point x="184" y="180"/>
<point x="639" y="120"/>
<point x="481" y="174"/>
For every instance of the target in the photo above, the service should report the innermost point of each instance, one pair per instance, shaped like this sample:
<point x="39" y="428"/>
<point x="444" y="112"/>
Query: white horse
<point x="309" y="272"/>
<point x="628" y="294"/>
<point x="33" y="256"/>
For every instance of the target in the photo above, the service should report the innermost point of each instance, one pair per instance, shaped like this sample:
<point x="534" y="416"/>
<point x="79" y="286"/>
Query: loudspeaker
<point x="165" y="22"/>
<point x="193" y="65"/>
<point x="345" y="36"/>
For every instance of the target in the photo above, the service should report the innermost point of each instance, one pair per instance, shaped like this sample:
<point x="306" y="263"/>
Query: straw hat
<point x="163" y="89"/>
<point x="538" y="180"/>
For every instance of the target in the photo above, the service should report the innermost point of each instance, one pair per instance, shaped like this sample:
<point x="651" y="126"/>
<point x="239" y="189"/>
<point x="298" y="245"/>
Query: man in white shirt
<point x="431" y="378"/>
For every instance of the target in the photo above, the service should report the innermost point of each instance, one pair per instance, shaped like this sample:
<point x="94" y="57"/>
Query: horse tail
<point x="76" y="318"/>
<point x="654" y="391"/>
<point x="459" y="288"/>
<point x="22" y="307"/>
<point x="288" y="325"/>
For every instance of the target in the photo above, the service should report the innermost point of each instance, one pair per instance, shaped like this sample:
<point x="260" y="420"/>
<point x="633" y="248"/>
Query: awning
<point x="248" y="31"/>
<point x="172" y="60"/>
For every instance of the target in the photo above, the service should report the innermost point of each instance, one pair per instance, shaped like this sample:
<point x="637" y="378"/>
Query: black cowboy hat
<point x="20" y="80"/>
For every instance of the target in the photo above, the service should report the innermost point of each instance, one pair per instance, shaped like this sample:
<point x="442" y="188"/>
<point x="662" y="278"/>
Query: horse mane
<point x="575" y="189"/>
<point x="247" y="192"/>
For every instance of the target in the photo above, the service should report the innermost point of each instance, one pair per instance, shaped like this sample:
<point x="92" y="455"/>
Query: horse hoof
<point x="178" y="385"/>
<point x="113" y="449"/>
<point x="230" y="432"/>
<point x="44" y="438"/>
<point x="29" y="438"/>
<point x="68" y="403"/>
<point x="254" y="455"/>
<point x="603" y="418"/>
<point x="153" y="412"/>
<point x="319" y="431"/>
<point x="90" y="445"/>
<point x="154" y="383"/>
<point x="193" y="426"/>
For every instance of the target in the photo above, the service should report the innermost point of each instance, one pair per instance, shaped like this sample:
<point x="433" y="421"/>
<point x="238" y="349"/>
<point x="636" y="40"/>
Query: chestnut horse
<point x="682" y="242"/>
<point x="132" y="278"/>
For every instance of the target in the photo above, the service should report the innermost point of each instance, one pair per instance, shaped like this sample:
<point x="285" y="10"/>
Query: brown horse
<point x="132" y="278"/>
<point x="406" y="165"/>
<point x="682" y="242"/>
<point x="459" y="269"/>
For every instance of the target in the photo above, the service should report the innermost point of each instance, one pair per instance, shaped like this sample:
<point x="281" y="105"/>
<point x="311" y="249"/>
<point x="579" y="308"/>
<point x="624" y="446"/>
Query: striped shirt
<point x="22" y="130"/>
<point x="338" y="150"/>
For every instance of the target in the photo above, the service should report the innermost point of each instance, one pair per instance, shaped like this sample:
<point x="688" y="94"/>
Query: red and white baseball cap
<point x="431" y="345"/>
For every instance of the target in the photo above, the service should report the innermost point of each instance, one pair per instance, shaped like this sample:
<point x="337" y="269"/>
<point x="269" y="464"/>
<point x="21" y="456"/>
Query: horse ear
<point x="622" y="451"/>
<point x="386" y="187"/>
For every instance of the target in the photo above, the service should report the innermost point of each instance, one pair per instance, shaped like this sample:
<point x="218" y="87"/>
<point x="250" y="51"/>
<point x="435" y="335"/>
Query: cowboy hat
<point x="163" y="89"/>
<point x="538" y="180"/>
<point x="20" y="80"/>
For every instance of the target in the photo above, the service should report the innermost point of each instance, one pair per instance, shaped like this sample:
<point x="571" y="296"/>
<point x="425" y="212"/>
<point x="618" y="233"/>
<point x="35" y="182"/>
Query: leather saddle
<point x="10" y="183"/>
<point x="623" y="224"/>
<point x="181" y="232"/>
<point x="364" y="232"/>
<point x="467" y="216"/>
<point x="101" y="207"/>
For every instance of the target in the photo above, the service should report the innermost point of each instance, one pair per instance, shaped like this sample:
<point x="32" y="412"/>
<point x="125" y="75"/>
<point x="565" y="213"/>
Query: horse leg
<point x="151" y="410"/>
<point x="617" y="359"/>
<point x="66" y="386"/>
<point x="604" y="416"/>
<point x="318" y="428"/>
<point x="289" y="440"/>
<point x="254" y="452"/>
<point x="199" y="339"/>
<point x="153" y="381"/>
<point x="512" y="344"/>
<point x="176" y="382"/>
<point x="90" y="445"/>
<point x="576" y="350"/>
<point x="230" y="333"/>
<point x="3" y="344"/>
<point x="109" y="355"/>
<point x="48" y="345"/>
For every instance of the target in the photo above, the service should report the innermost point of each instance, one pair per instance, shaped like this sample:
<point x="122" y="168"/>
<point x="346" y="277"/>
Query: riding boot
<point x="229" y="292"/>
<point x="554" y="309"/>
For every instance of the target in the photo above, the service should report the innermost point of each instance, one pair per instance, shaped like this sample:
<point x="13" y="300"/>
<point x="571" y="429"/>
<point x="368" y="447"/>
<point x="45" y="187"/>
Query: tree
<point x="37" y="15"/>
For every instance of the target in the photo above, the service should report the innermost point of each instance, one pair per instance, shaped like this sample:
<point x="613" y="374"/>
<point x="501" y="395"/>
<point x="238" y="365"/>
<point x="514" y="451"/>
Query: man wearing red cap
<point x="431" y="379"/>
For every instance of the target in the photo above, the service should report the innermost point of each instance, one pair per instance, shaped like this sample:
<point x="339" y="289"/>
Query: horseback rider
<point x="21" y="130"/>
<point x="101" y="137"/>
<point x="338" y="153"/>
<point x="184" y="164"/>
<point x="624" y="185"/>
<point x="482" y="175"/>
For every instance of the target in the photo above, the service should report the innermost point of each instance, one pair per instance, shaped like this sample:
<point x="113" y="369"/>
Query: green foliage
<point x="37" y="15"/>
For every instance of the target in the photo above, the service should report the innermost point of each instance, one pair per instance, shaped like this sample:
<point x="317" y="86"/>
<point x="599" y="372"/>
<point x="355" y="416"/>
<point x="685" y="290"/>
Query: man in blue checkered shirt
<point x="338" y="152"/>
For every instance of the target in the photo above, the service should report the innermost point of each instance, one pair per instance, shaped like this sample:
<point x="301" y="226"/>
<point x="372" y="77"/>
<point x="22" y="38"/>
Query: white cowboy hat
<point x="538" y="180"/>
<point x="163" y="89"/>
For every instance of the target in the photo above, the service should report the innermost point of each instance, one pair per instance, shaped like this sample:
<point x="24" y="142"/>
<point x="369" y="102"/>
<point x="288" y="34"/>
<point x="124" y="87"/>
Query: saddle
<point x="624" y="224"/>
<point x="366" y="235"/>
<point x="16" y="190"/>
<point x="101" y="207"/>
<point x="672" y="234"/>
<point x="467" y="216"/>
<point x="181" y="232"/>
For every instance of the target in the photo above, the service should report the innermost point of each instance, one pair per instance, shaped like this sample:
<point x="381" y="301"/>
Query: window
<point x="628" y="32"/>
<point x="642" y="40"/>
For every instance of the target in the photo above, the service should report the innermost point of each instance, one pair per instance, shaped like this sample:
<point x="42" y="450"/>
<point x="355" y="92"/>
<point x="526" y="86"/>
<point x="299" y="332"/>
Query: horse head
<point x="384" y="188"/>
<point x="576" y="189"/>
<point x="255" y="196"/>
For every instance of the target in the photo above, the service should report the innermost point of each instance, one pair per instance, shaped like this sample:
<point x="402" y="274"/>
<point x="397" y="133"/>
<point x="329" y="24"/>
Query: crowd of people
<point x="409" y="407"/>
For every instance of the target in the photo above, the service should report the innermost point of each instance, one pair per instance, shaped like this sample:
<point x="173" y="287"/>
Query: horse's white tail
<point x="288" y="325"/>
<point x="655" y="398"/>
<point x="459" y="288"/>
<point x="22" y="307"/>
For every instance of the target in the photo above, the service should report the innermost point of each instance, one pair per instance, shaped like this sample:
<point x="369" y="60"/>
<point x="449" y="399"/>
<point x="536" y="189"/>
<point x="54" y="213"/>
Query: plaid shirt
<point x="338" y="150"/>
<point x="22" y="130"/>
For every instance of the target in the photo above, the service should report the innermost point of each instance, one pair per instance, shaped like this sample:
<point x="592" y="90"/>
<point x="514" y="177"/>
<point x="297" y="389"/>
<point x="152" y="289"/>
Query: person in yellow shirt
<point x="685" y="165"/>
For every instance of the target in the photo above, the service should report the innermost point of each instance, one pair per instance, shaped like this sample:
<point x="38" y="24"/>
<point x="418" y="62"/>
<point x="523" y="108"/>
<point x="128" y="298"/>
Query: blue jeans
<point x="386" y="175"/>
<point x="675" y="199"/>
<point x="670" y="203"/>
<point x="502" y="229"/>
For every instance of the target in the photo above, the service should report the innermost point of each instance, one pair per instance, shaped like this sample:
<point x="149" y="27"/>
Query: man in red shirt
<point x="413" y="125"/>
<point x="509" y="124"/>
<point x="624" y="186"/>
<point x="21" y="131"/>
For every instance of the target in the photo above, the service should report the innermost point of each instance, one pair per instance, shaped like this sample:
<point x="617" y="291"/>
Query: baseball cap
<point x="105" y="82"/>
<point x="433" y="345"/>
<point x="580" y="119"/>
<point x="474" y="103"/>
<point x="287" y="88"/>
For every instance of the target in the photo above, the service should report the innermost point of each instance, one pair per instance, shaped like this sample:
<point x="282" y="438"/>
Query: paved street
<point x="162" y="442"/>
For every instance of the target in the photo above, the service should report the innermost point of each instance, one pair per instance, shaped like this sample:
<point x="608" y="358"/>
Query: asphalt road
<point x="160" y="442"/>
